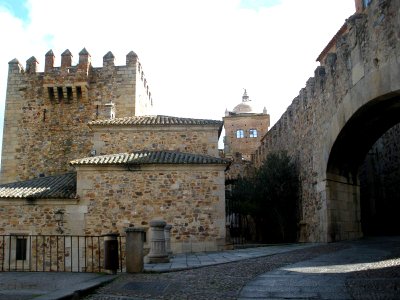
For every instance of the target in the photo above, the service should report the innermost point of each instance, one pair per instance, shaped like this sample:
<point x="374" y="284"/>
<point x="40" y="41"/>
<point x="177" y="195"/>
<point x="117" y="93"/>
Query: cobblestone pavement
<point x="335" y="275"/>
<point x="381" y="280"/>
<point x="366" y="269"/>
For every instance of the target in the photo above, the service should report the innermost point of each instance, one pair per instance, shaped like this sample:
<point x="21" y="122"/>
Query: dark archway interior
<point x="366" y="156"/>
<point x="380" y="186"/>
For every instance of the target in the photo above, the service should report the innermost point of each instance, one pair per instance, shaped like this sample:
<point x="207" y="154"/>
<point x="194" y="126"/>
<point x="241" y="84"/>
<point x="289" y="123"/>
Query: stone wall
<point x="46" y="112"/>
<point x="363" y="68"/>
<point x="191" y="198"/>
<point x="38" y="216"/>
<point x="110" y="198"/>
<point x="191" y="139"/>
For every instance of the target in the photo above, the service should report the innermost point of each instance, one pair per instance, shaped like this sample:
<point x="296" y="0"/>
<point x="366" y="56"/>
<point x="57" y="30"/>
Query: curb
<point x="79" y="290"/>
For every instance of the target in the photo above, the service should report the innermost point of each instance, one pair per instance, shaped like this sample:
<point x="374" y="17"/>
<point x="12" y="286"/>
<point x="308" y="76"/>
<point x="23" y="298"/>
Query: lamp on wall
<point x="59" y="217"/>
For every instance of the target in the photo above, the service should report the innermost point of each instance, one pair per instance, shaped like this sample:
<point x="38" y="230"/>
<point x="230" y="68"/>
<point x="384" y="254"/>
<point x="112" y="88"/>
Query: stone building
<point x="185" y="190"/>
<point x="156" y="132"/>
<point x="78" y="141"/>
<point x="46" y="113"/>
<point x="244" y="129"/>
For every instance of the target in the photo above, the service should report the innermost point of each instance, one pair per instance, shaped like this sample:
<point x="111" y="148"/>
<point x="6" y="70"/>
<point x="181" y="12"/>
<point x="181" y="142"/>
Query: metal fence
<point x="55" y="253"/>
<point x="238" y="224"/>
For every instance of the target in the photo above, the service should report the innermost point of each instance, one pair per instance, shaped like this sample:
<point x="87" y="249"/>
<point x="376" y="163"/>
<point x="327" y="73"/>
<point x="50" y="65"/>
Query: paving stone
<point x="278" y="277"/>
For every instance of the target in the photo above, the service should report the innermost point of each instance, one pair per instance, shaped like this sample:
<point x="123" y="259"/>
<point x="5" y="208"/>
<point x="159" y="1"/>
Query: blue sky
<point x="18" y="8"/>
<point x="197" y="55"/>
<point x="258" y="4"/>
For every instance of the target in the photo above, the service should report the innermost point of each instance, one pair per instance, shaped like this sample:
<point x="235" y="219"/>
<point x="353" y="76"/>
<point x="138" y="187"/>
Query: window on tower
<point x="253" y="133"/>
<point x="367" y="3"/>
<point x="240" y="134"/>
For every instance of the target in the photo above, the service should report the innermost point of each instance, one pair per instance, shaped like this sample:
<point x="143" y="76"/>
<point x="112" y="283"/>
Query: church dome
<point x="243" y="108"/>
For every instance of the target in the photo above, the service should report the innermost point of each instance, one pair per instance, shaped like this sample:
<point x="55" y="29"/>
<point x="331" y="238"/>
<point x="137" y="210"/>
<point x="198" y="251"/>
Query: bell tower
<point x="244" y="128"/>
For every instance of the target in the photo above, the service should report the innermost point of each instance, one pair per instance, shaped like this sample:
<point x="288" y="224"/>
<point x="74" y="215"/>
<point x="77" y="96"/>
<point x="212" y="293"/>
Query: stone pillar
<point x="134" y="249"/>
<point x="167" y="235"/>
<point x="157" y="254"/>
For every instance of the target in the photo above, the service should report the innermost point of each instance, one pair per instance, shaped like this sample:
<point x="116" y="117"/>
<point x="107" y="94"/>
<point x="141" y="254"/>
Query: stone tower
<point x="244" y="129"/>
<point x="46" y="113"/>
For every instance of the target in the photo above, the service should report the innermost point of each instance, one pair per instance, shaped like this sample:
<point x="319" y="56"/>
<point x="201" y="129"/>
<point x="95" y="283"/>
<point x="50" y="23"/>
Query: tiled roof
<point x="149" y="157"/>
<point x="59" y="186"/>
<point x="154" y="121"/>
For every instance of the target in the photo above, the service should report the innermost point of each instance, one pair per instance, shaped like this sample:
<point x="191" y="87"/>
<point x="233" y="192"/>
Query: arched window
<point x="239" y="134"/>
<point x="253" y="133"/>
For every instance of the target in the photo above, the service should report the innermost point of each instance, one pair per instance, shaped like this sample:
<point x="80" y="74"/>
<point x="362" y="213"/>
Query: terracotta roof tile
<point x="149" y="157"/>
<point x="59" y="186"/>
<point x="154" y="121"/>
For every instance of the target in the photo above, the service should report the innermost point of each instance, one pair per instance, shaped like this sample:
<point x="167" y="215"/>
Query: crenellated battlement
<point x="48" y="111"/>
<point x="84" y="63"/>
<point x="69" y="82"/>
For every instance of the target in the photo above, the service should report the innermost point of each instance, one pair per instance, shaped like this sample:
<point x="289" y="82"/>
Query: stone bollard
<point x="134" y="249"/>
<point x="157" y="254"/>
<point x="167" y="235"/>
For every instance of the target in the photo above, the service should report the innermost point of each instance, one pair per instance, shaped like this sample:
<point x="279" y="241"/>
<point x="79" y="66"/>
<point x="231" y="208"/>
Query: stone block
<point x="357" y="73"/>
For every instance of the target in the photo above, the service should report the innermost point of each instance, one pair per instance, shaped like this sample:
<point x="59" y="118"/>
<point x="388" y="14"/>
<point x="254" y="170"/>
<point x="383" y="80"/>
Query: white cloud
<point x="197" y="55"/>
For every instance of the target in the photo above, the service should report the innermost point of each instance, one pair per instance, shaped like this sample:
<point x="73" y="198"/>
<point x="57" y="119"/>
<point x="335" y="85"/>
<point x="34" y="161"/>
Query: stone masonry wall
<point x="38" y="216"/>
<point x="372" y="42"/>
<point x="190" y="139"/>
<point x="46" y="112"/>
<point x="190" y="198"/>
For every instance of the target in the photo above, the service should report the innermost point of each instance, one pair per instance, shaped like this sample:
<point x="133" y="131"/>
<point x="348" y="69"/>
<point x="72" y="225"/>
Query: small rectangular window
<point x="69" y="93"/>
<point x="367" y="3"/>
<point x="78" y="92"/>
<point x="239" y="134"/>
<point x="20" y="253"/>
<point x="51" y="93"/>
<point x="253" y="133"/>
<point x="60" y="94"/>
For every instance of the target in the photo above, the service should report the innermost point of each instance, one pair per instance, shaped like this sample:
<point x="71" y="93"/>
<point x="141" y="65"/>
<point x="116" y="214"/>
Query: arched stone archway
<point x="368" y="110"/>
<point x="330" y="126"/>
<point x="348" y="152"/>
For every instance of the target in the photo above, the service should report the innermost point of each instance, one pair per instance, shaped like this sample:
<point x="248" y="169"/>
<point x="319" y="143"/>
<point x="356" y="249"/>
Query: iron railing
<point x="238" y="224"/>
<point x="55" y="253"/>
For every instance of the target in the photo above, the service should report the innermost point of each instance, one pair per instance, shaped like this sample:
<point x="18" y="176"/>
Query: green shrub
<point x="271" y="199"/>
